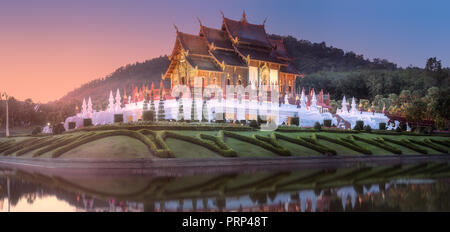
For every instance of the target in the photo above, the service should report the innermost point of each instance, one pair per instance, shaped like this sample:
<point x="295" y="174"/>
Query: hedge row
<point x="204" y="143"/>
<point x="329" y="130"/>
<point x="58" y="152"/>
<point x="443" y="143"/>
<point x="379" y="144"/>
<point x="219" y="140"/>
<point x="428" y="143"/>
<point x="60" y="143"/>
<point x="252" y="140"/>
<point x="167" y="126"/>
<point x="406" y="144"/>
<point x="6" y="145"/>
<point x="35" y="146"/>
<point x="159" y="148"/>
<point x="20" y="145"/>
<point x="348" y="144"/>
<point x="300" y="141"/>
<point x="272" y="140"/>
<point x="157" y="137"/>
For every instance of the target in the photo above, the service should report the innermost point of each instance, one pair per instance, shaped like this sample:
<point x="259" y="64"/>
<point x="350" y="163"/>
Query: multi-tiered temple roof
<point x="225" y="55"/>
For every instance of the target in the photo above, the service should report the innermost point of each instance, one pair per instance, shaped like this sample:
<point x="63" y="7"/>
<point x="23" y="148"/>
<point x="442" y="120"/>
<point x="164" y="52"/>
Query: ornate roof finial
<point x="176" y="28"/>
<point x="221" y="12"/>
<point x="265" y="20"/>
<point x="244" y="18"/>
<point x="200" y="22"/>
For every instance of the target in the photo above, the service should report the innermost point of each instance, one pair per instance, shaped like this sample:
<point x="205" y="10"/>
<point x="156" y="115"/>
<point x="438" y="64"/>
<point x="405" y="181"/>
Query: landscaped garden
<point x="209" y="140"/>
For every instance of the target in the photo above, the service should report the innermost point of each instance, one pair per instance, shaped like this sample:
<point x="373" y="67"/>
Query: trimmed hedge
<point x="204" y="143"/>
<point x="58" y="129"/>
<point x="60" y="143"/>
<point x="118" y="118"/>
<point x="87" y="122"/>
<point x="295" y="121"/>
<point x="6" y="145"/>
<point x="148" y="115"/>
<point x="58" y="152"/>
<point x="254" y="141"/>
<point x="159" y="147"/>
<point x="72" y="125"/>
<point x="406" y="144"/>
<point x="428" y="143"/>
<point x="20" y="145"/>
<point x="225" y="150"/>
<point x="317" y="126"/>
<point x="38" y="145"/>
<point x="36" y="130"/>
<point x="367" y="129"/>
<point x="302" y="142"/>
<point x="359" y="125"/>
<point x="167" y="126"/>
<point x="272" y="140"/>
<point x="378" y="144"/>
<point x="344" y="143"/>
<point x="443" y="143"/>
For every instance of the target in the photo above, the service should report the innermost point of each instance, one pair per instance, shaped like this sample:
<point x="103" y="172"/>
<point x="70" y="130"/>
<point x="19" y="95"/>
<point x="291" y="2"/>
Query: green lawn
<point x="124" y="146"/>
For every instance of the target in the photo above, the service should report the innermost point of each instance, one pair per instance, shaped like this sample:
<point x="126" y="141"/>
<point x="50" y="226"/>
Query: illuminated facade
<point x="240" y="53"/>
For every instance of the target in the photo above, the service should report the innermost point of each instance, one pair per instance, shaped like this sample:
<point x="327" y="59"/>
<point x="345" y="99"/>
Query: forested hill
<point x="313" y="57"/>
<point x="125" y="77"/>
<point x="308" y="58"/>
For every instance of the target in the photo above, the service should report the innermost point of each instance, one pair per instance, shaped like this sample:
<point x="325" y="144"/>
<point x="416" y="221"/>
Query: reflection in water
<point x="418" y="187"/>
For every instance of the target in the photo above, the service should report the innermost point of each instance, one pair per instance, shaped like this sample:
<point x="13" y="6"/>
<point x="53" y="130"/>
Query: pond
<point x="408" y="187"/>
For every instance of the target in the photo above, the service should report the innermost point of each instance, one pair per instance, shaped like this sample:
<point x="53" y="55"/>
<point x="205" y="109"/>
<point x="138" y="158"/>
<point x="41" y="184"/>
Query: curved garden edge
<point x="201" y="165"/>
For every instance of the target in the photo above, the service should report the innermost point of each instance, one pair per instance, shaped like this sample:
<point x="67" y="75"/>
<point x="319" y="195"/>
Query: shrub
<point x="254" y="124"/>
<point x="118" y="118"/>
<point x="61" y="150"/>
<point x="378" y="143"/>
<point x="59" y="143"/>
<point x="327" y="122"/>
<point x="87" y="122"/>
<point x="210" y="143"/>
<point x="243" y="122"/>
<point x="399" y="129"/>
<point x="343" y="142"/>
<point x="306" y="143"/>
<point x="382" y="126"/>
<point x="254" y="141"/>
<point x="20" y="145"/>
<point x="295" y="121"/>
<point x="428" y="143"/>
<point x="148" y="115"/>
<point x="59" y="128"/>
<point x="403" y="126"/>
<point x="72" y="125"/>
<point x="367" y="128"/>
<point x="36" y="130"/>
<point x="317" y="126"/>
<point x="359" y="126"/>
<point x="260" y="120"/>
<point x="406" y="144"/>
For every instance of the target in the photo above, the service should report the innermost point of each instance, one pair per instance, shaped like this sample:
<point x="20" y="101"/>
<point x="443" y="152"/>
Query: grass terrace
<point x="200" y="140"/>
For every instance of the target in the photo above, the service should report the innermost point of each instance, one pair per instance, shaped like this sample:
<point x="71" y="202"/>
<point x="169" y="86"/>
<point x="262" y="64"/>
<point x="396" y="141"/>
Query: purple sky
<point x="48" y="42"/>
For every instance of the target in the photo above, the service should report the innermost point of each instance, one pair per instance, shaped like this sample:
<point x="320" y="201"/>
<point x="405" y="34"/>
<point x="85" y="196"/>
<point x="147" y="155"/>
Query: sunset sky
<point x="50" y="47"/>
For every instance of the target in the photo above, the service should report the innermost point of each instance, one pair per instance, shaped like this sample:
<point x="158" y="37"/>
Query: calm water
<point x="418" y="187"/>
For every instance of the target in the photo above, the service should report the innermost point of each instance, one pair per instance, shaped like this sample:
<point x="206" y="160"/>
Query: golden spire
<point x="221" y="12"/>
<point x="176" y="28"/>
<point x="244" y="17"/>
<point x="200" y="22"/>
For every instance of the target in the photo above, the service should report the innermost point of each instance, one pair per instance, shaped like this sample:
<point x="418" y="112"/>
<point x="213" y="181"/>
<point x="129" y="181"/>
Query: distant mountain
<point x="308" y="58"/>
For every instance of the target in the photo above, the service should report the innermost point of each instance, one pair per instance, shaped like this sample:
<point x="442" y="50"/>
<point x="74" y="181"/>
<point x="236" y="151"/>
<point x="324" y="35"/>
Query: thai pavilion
<point x="239" y="53"/>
